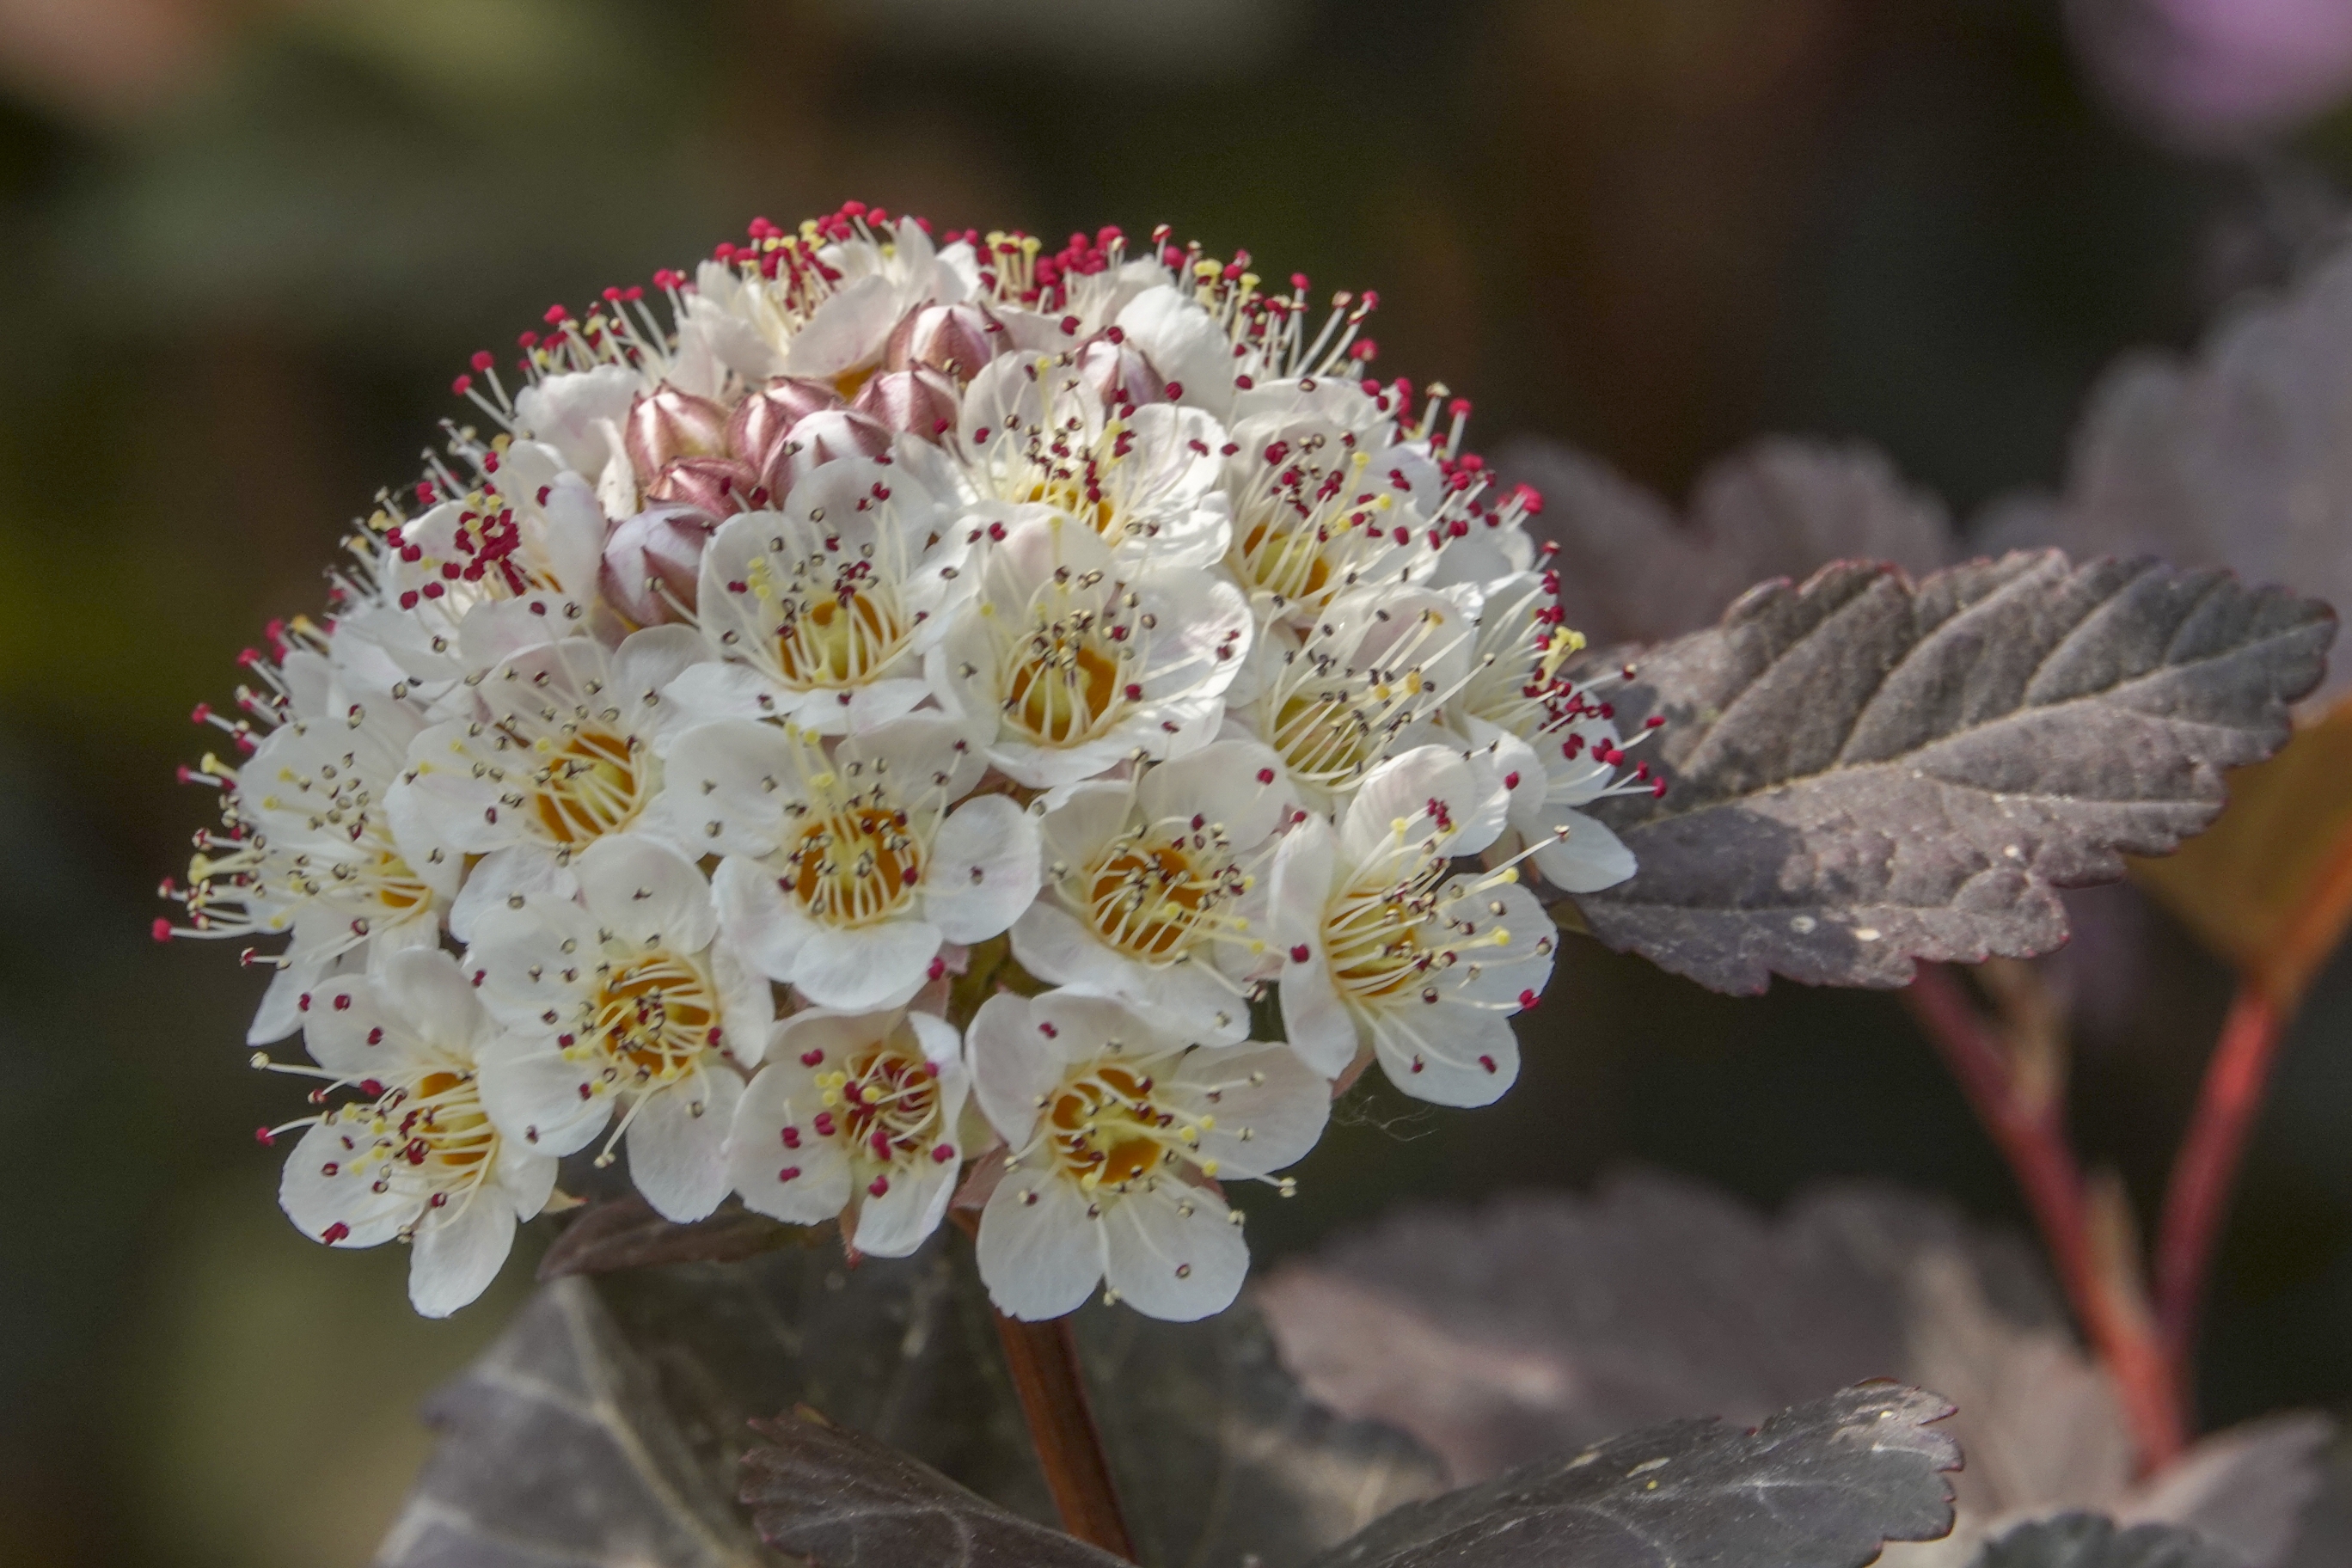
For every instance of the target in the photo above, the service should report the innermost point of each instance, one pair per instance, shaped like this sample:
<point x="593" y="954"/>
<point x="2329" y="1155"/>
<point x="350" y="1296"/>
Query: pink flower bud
<point x="764" y="419"/>
<point x="667" y="424"/>
<point x="664" y="544"/>
<point x="917" y="401"/>
<point x="1118" y="371"/>
<point x="954" y="339"/>
<point x="819" y="439"/>
<point x="719" y="486"/>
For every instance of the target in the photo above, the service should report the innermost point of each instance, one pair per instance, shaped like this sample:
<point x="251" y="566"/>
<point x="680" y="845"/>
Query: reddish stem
<point x="2197" y="1199"/>
<point x="1043" y="1361"/>
<point x="2032" y="1138"/>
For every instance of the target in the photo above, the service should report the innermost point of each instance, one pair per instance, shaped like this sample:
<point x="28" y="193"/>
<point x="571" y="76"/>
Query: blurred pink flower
<point x="2211" y="74"/>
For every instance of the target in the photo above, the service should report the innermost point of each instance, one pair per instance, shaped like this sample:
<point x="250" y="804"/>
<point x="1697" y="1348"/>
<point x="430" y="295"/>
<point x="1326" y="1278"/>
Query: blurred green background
<point x="253" y="238"/>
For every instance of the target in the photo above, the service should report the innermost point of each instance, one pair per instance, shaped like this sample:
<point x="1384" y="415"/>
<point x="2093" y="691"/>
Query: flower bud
<point x="667" y="424"/>
<point x="764" y="419"/>
<point x="917" y="401"/>
<point x="719" y="486"/>
<point x="1117" y="369"/>
<point x="828" y="434"/>
<point x="954" y="339"/>
<point x="662" y="544"/>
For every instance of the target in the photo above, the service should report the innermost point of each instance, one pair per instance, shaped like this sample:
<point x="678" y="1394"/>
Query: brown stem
<point x="1043" y="1361"/>
<point x="2031" y="1133"/>
<point x="2197" y="1199"/>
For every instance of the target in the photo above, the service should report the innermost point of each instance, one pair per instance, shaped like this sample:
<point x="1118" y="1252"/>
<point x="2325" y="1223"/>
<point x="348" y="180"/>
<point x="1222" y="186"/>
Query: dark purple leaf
<point x="1630" y="571"/>
<point x="1823" y="1485"/>
<point x="625" y="1232"/>
<point x="1864" y="772"/>
<point x="2091" y="1540"/>
<point x="844" y="1501"/>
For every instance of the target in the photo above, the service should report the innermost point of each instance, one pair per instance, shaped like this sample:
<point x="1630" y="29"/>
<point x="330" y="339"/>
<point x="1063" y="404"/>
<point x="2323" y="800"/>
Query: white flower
<point x="845" y="873"/>
<point x="311" y="845"/>
<point x="1066" y="668"/>
<point x="1117" y="1132"/>
<point x="634" y="995"/>
<point x="1034" y="431"/>
<point x="1145" y="875"/>
<point x="822" y="611"/>
<point x="1370" y="680"/>
<point x="562" y="751"/>
<point x="1555" y="744"/>
<point x="1379" y="946"/>
<point x="855" y="1115"/>
<point x="420" y="1158"/>
<point x="1326" y="497"/>
<point x="512" y="560"/>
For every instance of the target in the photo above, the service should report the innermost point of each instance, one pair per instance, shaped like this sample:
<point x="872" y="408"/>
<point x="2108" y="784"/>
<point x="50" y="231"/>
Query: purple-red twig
<point x="2031" y="1134"/>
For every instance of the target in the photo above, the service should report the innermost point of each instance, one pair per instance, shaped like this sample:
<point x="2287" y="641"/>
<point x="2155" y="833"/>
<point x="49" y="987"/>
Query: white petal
<point x="1013" y="1065"/>
<point x="534" y="1098"/>
<point x="734" y="775"/>
<point x="1448" y="1054"/>
<point x="767" y="928"/>
<point x="1039" y="1259"/>
<point x="1271" y="1107"/>
<point x="646" y="894"/>
<point x="758" y="1158"/>
<point x="1316" y="1022"/>
<point x="1589" y="859"/>
<point x="564" y="410"/>
<point x="909" y="1210"/>
<point x="872" y="966"/>
<point x="352" y="1028"/>
<point x="456" y="1258"/>
<point x="677" y="1144"/>
<point x="1167" y="1262"/>
<point x="526" y="1178"/>
<point x="504" y="875"/>
<point x="985" y="868"/>
<point x="316" y="1201"/>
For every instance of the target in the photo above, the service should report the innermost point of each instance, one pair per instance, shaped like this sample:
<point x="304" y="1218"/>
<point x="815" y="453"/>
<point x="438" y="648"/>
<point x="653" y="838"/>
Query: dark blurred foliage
<point x="251" y="243"/>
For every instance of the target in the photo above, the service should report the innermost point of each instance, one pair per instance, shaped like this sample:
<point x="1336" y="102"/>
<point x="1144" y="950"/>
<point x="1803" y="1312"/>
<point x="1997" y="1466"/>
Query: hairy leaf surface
<point x="844" y="1500"/>
<point x="1864" y="773"/>
<point x="557" y="1451"/>
<point x="2092" y="1541"/>
<point x="1823" y="1485"/>
<point x="624" y="1232"/>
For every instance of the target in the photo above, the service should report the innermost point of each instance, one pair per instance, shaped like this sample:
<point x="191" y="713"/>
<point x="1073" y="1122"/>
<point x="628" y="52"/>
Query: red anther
<point x="1266" y="775"/>
<point x="1069" y="326"/>
<point x="462" y="385"/>
<point x="1486" y="1062"/>
<point x="201" y="713"/>
<point x="811" y="1059"/>
<point x="334" y="1232"/>
<point x="483" y="360"/>
<point x="613" y="294"/>
<point x="1243" y="382"/>
<point x="792" y="1137"/>
<point x="788" y="1174"/>
<point x="248" y="657"/>
<point x="996" y="532"/>
<point x="408" y="599"/>
<point x="1658" y="790"/>
<point x="942" y="1153"/>
<point x="1134" y="692"/>
<point x="343" y="1001"/>
<point x="857" y="209"/>
<point x="880" y="1143"/>
<point x="1459" y="407"/>
<point x="1527" y="999"/>
<point x="264" y="1137"/>
<point x="527" y="340"/>
<point x="1363" y="351"/>
<point x="1511" y="781"/>
<point x="939" y="967"/>
<point x="372" y="1088"/>
<point x="161" y="930"/>
<point x="1654" y="721"/>
<point x="1301" y="954"/>
<point x="555" y="314"/>
<point x="302" y="1002"/>
<point x="1050" y="1032"/>
<point x="1176" y="395"/>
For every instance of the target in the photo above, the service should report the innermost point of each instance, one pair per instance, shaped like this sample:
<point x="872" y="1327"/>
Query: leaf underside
<point x="1821" y="1485"/>
<point x="1864" y="773"/>
<point x="2092" y="1541"/>
<point x="843" y="1500"/>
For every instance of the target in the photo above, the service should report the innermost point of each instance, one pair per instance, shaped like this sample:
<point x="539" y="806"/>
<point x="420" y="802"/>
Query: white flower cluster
<point x="1072" y="640"/>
